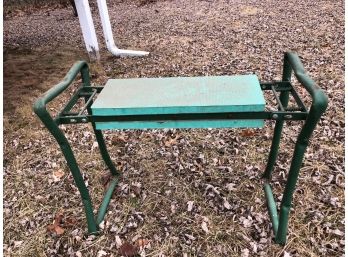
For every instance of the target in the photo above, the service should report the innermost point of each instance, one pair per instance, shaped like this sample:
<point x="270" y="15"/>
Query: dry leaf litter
<point x="183" y="192"/>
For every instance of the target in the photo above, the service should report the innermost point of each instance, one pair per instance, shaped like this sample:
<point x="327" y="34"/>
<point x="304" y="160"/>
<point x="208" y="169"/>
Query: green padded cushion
<point x="177" y="95"/>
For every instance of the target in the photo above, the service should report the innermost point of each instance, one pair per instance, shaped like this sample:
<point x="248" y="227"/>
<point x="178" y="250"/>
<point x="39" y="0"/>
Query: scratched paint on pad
<point x="180" y="95"/>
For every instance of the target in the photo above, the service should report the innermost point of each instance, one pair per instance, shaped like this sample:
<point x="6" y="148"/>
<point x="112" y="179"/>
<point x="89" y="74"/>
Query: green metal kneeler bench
<point x="197" y="102"/>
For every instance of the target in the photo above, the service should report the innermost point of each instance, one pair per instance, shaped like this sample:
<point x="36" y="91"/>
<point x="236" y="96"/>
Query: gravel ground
<point x="183" y="192"/>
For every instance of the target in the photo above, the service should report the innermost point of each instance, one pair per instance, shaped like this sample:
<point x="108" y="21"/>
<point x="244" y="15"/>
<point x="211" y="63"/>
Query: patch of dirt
<point x="13" y="8"/>
<point x="28" y="73"/>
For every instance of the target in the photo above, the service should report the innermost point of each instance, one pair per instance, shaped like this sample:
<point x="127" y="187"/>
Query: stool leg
<point x="318" y="107"/>
<point x="73" y="166"/>
<point x="274" y="149"/>
<point x="284" y="98"/>
<point x="98" y="134"/>
<point x="101" y="143"/>
<point x="302" y="142"/>
<point x="285" y="206"/>
<point x="104" y="151"/>
<point x="106" y="157"/>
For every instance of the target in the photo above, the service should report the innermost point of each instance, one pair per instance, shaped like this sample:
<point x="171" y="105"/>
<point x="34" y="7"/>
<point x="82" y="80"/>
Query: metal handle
<point x="80" y="66"/>
<point x="293" y="63"/>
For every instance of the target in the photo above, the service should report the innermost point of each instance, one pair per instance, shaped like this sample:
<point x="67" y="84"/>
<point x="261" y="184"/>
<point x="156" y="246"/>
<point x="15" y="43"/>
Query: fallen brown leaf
<point x="128" y="250"/>
<point x="70" y="222"/>
<point x="247" y="133"/>
<point x="57" y="175"/>
<point x="171" y="141"/>
<point x="54" y="228"/>
<point x="118" y="140"/>
<point x="59" y="230"/>
<point x="142" y="242"/>
<point x="58" y="218"/>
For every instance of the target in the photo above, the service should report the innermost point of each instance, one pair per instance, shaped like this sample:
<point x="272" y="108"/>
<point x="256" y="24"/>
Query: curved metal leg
<point x="104" y="152"/>
<point x="73" y="166"/>
<point x="274" y="149"/>
<point x="106" y="157"/>
<point x="101" y="143"/>
<point x="52" y="125"/>
<point x="300" y="148"/>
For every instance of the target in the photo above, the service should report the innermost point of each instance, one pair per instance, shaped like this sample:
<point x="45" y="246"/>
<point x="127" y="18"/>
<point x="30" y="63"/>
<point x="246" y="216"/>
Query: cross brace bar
<point x="298" y="113"/>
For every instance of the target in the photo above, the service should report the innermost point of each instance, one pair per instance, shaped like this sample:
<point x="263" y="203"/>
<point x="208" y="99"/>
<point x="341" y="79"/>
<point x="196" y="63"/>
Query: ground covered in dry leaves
<point x="183" y="192"/>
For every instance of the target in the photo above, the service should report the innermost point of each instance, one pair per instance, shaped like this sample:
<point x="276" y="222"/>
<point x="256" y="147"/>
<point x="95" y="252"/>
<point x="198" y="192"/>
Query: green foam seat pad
<point x="180" y="95"/>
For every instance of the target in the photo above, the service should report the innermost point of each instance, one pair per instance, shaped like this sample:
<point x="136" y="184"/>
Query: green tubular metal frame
<point x="318" y="107"/>
<point x="52" y="125"/>
<point x="292" y="64"/>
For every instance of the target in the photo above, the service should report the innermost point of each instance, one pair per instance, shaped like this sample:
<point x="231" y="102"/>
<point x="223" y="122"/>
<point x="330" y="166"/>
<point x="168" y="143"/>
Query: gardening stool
<point x="187" y="102"/>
